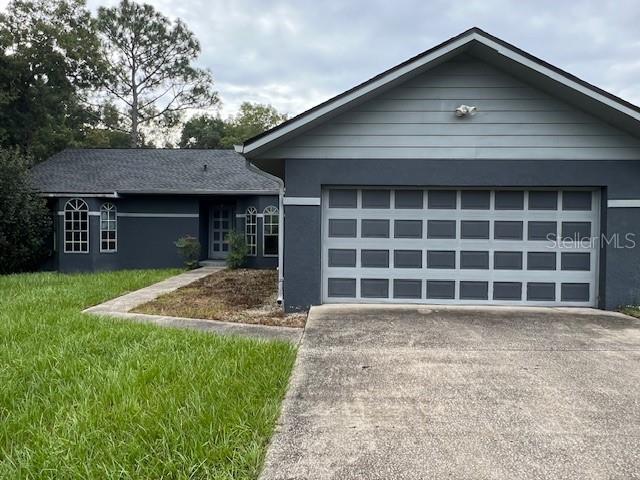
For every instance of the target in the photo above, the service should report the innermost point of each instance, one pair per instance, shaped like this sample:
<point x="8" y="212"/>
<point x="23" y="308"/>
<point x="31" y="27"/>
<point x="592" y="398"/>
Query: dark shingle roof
<point x="149" y="171"/>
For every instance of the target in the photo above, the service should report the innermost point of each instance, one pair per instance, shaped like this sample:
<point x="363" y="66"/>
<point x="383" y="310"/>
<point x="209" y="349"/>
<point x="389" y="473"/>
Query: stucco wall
<point x="148" y="226"/>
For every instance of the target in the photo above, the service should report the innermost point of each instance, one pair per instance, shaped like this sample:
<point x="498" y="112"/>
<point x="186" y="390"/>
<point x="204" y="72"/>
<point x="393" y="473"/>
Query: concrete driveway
<point x="460" y="393"/>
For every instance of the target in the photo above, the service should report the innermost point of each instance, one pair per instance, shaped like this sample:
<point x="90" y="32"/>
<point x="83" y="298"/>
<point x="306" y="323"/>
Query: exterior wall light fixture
<point x="464" y="110"/>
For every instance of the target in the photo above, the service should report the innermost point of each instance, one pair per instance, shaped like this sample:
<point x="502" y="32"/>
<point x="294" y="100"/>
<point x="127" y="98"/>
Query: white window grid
<point x="108" y="228"/>
<point x="76" y="226"/>
<point x="270" y="228"/>
<point x="251" y="230"/>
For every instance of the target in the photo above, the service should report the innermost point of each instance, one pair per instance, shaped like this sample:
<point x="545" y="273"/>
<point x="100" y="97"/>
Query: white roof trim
<point x="419" y="62"/>
<point x="88" y="195"/>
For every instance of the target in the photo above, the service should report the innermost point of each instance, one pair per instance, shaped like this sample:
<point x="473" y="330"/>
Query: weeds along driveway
<point x="413" y="393"/>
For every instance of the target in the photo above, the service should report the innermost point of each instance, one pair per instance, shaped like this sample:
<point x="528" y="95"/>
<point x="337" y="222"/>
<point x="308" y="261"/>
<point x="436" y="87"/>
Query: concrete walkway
<point x="409" y="392"/>
<point x="121" y="307"/>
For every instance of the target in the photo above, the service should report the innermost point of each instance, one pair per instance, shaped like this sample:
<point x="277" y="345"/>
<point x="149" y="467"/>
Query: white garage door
<point x="509" y="247"/>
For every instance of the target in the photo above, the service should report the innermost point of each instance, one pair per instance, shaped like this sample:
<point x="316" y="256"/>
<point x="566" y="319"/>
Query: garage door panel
<point x="543" y="200"/>
<point x="410" y="288"/>
<point x="409" y="199"/>
<point x="374" y="258"/>
<point x="509" y="200"/>
<point x="507" y="291"/>
<point x="343" y="198"/>
<point x="376" y="199"/>
<point x="460" y="246"/>
<point x="407" y="228"/>
<point x="576" y="201"/>
<point x="441" y="289"/>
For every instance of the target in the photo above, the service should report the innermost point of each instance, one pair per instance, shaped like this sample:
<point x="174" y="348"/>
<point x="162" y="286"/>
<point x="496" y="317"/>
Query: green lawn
<point x="82" y="397"/>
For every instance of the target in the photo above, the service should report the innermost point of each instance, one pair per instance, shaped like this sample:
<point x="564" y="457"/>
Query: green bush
<point x="25" y="222"/>
<point x="189" y="249"/>
<point x="238" y="250"/>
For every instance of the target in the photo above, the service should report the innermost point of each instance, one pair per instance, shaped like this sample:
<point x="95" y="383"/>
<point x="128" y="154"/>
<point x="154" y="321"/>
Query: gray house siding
<point x="147" y="227"/>
<point x="416" y="120"/>
<point x="617" y="179"/>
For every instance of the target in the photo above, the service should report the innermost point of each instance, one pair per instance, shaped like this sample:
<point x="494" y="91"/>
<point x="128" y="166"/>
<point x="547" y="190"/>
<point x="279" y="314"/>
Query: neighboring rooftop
<point x="177" y="171"/>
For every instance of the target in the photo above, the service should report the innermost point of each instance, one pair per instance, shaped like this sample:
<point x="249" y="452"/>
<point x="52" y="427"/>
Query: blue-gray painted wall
<point x="147" y="241"/>
<point x="619" y="268"/>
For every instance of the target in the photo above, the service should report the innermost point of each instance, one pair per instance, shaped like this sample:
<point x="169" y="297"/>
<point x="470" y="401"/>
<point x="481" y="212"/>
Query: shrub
<point x="189" y="249"/>
<point x="25" y="222"/>
<point x="238" y="250"/>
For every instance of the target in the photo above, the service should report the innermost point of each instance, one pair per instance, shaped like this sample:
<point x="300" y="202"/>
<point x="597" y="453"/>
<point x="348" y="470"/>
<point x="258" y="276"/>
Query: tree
<point x="108" y="133"/>
<point x="24" y="219"/>
<point x="150" y="76"/>
<point x="49" y="55"/>
<point x="253" y="119"/>
<point x="202" y="131"/>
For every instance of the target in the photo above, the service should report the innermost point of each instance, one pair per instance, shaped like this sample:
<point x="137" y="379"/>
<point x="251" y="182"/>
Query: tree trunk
<point x="133" y="141"/>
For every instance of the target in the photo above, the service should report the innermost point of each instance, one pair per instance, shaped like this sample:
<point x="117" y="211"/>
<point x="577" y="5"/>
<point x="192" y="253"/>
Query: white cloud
<point x="298" y="53"/>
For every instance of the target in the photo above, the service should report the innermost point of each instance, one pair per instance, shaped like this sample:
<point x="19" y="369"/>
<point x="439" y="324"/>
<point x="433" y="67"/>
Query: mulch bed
<point x="243" y="295"/>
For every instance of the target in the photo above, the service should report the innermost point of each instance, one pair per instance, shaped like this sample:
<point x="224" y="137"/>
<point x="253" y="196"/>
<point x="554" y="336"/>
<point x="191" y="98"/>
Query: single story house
<point x="473" y="173"/>
<point x="125" y="208"/>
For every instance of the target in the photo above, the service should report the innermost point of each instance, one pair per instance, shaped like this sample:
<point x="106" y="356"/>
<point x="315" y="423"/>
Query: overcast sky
<point x="294" y="55"/>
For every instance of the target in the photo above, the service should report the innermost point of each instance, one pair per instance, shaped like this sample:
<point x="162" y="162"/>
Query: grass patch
<point x="84" y="397"/>
<point x="631" y="310"/>
<point x="243" y="295"/>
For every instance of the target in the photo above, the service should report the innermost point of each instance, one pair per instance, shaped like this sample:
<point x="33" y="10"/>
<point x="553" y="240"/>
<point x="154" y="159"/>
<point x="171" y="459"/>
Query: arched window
<point x="270" y="232"/>
<point x="251" y="230"/>
<point x="76" y="226"/>
<point x="108" y="228"/>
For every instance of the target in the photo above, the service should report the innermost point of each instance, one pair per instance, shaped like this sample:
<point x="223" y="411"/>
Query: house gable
<point x="515" y="120"/>
<point x="482" y="47"/>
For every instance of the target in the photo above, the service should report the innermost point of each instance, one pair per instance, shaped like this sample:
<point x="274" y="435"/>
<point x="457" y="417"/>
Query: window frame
<point x="79" y="206"/>
<point x="251" y="213"/>
<point x="110" y="209"/>
<point x="55" y="218"/>
<point x="270" y="211"/>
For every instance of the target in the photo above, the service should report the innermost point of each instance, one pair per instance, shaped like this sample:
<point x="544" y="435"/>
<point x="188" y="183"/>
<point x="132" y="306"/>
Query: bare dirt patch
<point x="243" y="296"/>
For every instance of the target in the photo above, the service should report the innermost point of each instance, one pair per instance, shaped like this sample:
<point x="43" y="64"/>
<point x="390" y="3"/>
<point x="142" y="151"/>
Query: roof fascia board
<point x="200" y="192"/>
<point x="364" y="90"/>
<point x="77" y="194"/>
<point x="158" y="192"/>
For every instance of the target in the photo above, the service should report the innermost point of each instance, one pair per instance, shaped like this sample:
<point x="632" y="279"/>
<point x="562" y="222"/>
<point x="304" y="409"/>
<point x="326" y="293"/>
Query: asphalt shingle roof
<point x="149" y="171"/>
